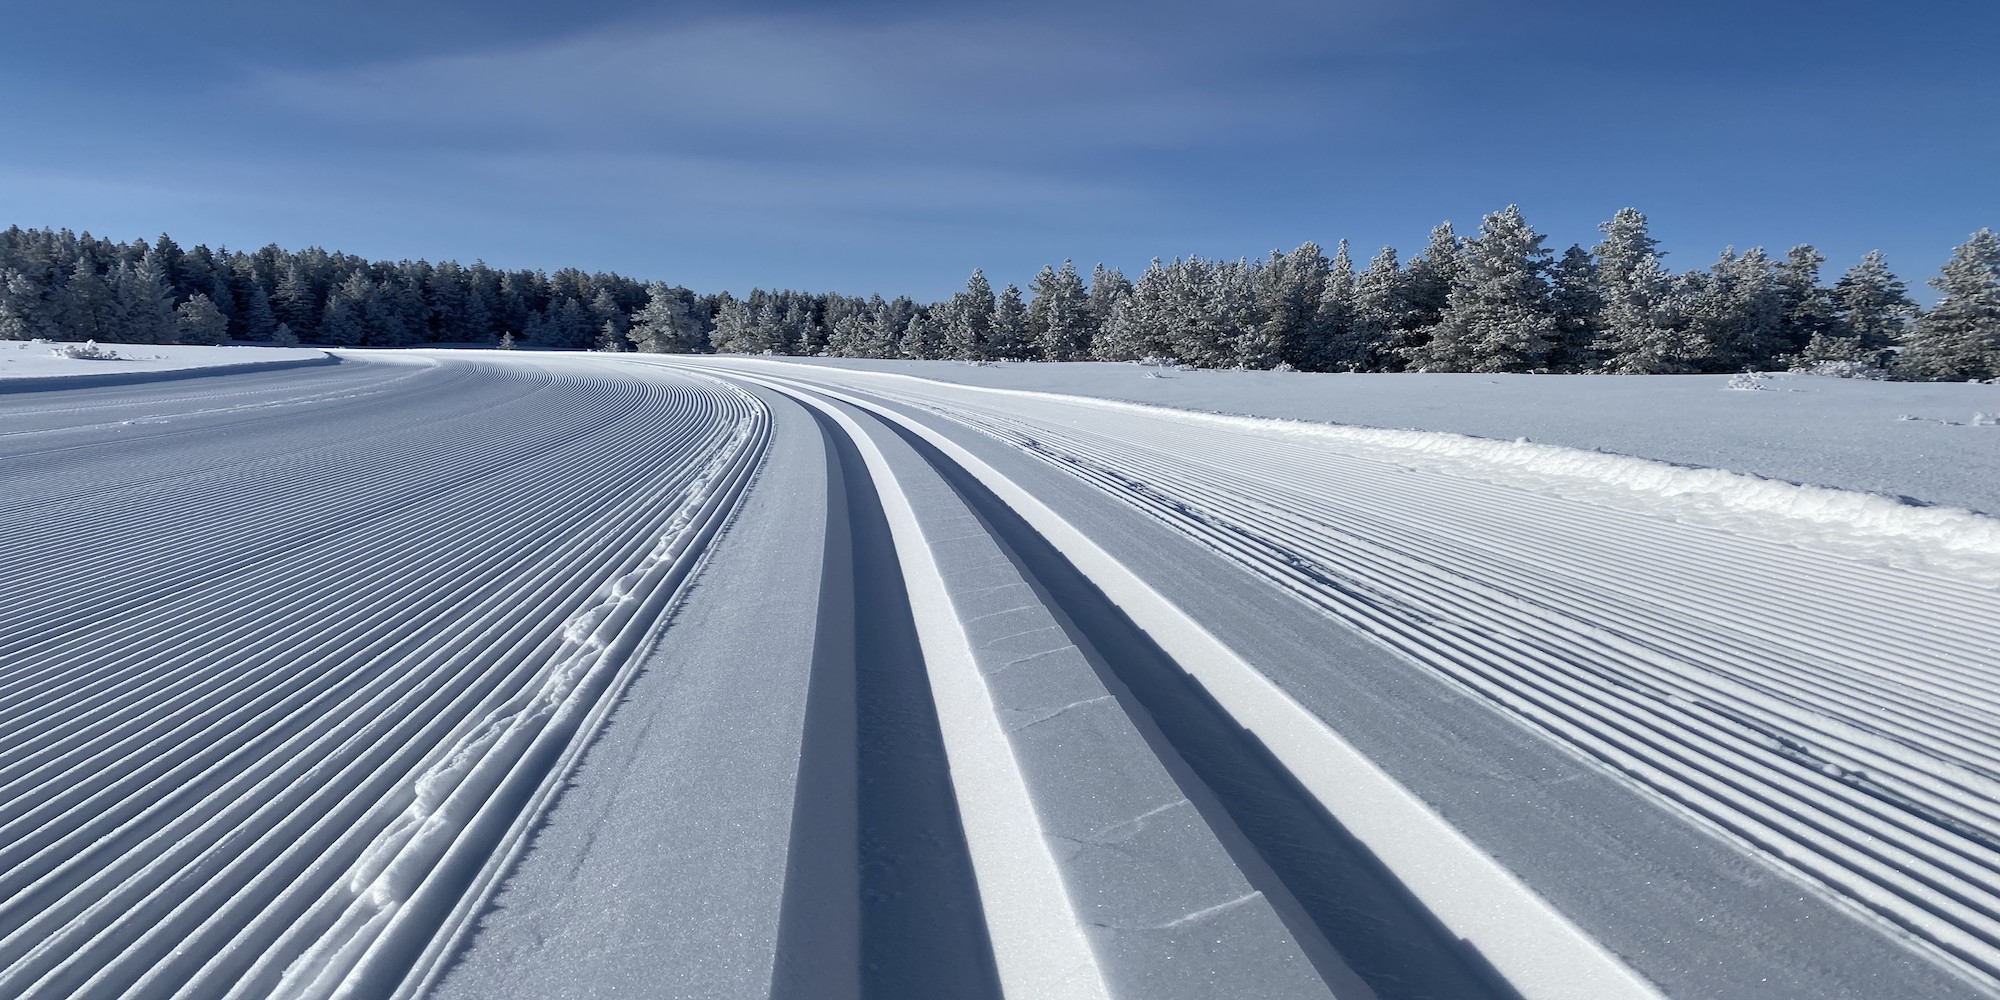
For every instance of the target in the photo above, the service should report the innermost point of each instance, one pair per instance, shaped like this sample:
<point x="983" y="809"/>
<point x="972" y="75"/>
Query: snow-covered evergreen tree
<point x="1108" y="287"/>
<point x="1378" y="310"/>
<point x="145" y="304"/>
<point x="20" y="306"/>
<point x="1737" y="313"/>
<point x="966" y="321"/>
<point x="1287" y="293"/>
<point x="1497" y="317"/>
<point x="664" y="324"/>
<point x="200" y="322"/>
<point x="1636" y="331"/>
<point x="1959" y="338"/>
<point x="1059" y="316"/>
<point x="1577" y="304"/>
<point x="734" y="333"/>
<point x="1426" y="289"/>
<point x="1340" y="343"/>
<point x="344" y="323"/>
<point x="1871" y="309"/>
<point x="1805" y="307"/>
<point x="1008" y="339"/>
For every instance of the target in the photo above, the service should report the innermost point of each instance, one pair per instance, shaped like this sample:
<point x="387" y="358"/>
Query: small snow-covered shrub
<point x="86" y="351"/>
<point x="1842" y="369"/>
<point x="1748" y="381"/>
<point x="1283" y="366"/>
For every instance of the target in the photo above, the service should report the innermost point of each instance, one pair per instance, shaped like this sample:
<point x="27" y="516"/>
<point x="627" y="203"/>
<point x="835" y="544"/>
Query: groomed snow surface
<point x="475" y="674"/>
<point x="39" y="364"/>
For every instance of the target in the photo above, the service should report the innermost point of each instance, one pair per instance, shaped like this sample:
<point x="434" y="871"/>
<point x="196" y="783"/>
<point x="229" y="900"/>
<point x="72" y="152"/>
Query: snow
<point x="23" y="360"/>
<point x="513" y="675"/>
<point x="1915" y="440"/>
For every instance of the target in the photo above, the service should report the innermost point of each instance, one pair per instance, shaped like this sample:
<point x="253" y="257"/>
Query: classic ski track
<point x="1844" y="732"/>
<point x="1538" y="951"/>
<point x="204" y="731"/>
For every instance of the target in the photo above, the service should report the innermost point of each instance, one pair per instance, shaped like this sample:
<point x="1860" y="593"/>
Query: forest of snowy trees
<point x="1495" y="301"/>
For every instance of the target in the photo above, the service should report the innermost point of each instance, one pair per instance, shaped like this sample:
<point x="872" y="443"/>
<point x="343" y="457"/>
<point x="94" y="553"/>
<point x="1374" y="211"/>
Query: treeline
<point x="1496" y="301"/>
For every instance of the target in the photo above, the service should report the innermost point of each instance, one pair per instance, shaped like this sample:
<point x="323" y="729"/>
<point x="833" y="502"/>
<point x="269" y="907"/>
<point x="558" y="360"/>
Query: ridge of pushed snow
<point x="1866" y="526"/>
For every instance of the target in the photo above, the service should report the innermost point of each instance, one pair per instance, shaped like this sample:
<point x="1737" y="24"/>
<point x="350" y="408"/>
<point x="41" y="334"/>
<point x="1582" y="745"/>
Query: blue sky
<point x="892" y="147"/>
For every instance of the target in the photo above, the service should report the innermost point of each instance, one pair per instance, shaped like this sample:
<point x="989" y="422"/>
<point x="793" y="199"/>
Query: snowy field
<point x="21" y="360"/>
<point x="480" y="675"/>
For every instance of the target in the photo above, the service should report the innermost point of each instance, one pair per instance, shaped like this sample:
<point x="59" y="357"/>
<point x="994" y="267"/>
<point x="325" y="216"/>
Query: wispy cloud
<point x="1037" y="90"/>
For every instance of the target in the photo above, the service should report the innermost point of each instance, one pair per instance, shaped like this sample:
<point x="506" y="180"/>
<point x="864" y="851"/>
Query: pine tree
<point x="734" y="333"/>
<point x="1008" y="339"/>
<point x="146" y="307"/>
<point x="1959" y="338"/>
<point x="200" y="322"/>
<point x="1737" y="313"/>
<point x="967" y="319"/>
<point x="850" y="337"/>
<point x="921" y="337"/>
<point x="344" y="323"/>
<point x="611" y="339"/>
<point x="1871" y="309"/>
<point x="1805" y="307"/>
<point x="282" y="336"/>
<point x="1576" y="304"/>
<point x="20" y="306"/>
<point x="1426" y="289"/>
<point x="298" y="305"/>
<point x="258" y="320"/>
<point x="1059" y="316"/>
<point x="1636" y="333"/>
<point x="85" y="306"/>
<point x="1108" y="287"/>
<point x="1497" y="317"/>
<point x="1138" y="324"/>
<point x="1378" y="308"/>
<point x="1339" y="345"/>
<point x="663" y="325"/>
<point x="1288" y="292"/>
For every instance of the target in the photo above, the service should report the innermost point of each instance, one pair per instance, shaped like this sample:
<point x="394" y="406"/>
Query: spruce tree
<point x="1959" y="338"/>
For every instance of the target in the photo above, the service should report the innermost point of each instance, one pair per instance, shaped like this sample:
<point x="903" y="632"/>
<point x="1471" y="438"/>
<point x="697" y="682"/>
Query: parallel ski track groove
<point x="204" y="730"/>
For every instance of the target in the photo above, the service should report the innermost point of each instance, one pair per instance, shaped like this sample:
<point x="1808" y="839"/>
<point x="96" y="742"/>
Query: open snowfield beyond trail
<point x="491" y="675"/>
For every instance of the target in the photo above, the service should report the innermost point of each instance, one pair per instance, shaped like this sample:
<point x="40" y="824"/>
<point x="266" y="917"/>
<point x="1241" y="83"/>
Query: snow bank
<point x="1835" y="432"/>
<point x="1868" y="526"/>
<point x="29" y="365"/>
<point x="1860" y="525"/>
